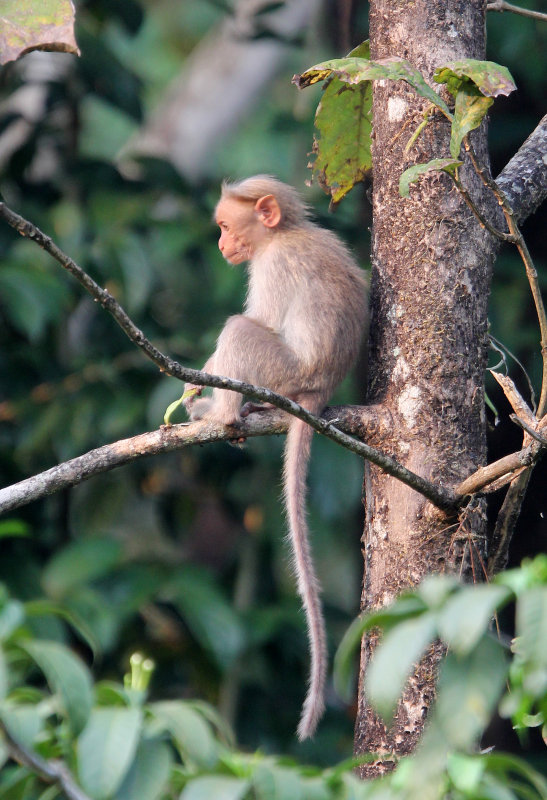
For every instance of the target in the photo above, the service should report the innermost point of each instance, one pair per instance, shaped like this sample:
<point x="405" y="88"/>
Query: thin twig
<point x="499" y="472"/>
<point x="531" y="273"/>
<point x="514" y="498"/>
<point x="501" y="5"/>
<point x="51" y="771"/>
<point x="506" y="523"/>
<point x="483" y="222"/>
<point x="529" y="430"/>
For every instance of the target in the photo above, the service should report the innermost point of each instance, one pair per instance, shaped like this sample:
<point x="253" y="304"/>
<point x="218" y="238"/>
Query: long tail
<point x="297" y="451"/>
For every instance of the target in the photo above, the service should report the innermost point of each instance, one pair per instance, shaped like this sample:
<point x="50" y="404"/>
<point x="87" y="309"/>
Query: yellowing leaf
<point x="29" y="25"/>
<point x="491" y="79"/>
<point x="344" y="122"/>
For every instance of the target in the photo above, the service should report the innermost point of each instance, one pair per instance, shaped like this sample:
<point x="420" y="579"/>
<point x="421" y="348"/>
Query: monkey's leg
<point x="190" y="402"/>
<point x="251" y="352"/>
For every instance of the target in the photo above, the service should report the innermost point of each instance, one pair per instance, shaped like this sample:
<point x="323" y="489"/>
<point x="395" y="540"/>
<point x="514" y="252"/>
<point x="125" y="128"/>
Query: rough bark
<point x="431" y="267"/>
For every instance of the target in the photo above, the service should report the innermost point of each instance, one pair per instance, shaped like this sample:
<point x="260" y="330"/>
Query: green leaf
<point x="45" y="607"/>
<point x="148" y="774"/>
<point x="190" y="731"/>
<point x="67" y="677"/>
<point x="106" y="749"/>
<point x="13" y="527"/>
<point x="209" y="615"/>
<point x="413" y="174"/>
<point x="435" y="590"/>
<point x="31" y="297"/>
<point x="12" y="614"/>
<point x="466" y="772"/>
<point x="354" y="70"/>
<point x="3" y="676"/>
<point x="172" y="407"/>
<point x="466" y="615"/>
<point x="344" y="122"/>
<point x="469" y="688"/>
<point x="400" y="649"/>
<point x="273" y="782"/>
<point x="80" y="562"/>
<point x="471" y="107"/>
<point x="217" y="787"/>
<point x="405" y="607"/>
<point x="531" y="626"/>
<point x="508" y="765"/>
<point x="24" y="722"/>
<point x="137" y="271"/>
<point x="491" y="79"/>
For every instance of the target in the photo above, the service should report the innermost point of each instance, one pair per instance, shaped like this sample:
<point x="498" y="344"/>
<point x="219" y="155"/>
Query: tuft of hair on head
<point x="294" y="211"/>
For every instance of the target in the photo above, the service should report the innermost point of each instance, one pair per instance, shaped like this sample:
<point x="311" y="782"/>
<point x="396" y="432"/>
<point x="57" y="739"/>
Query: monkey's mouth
<point x="237" y="256"/>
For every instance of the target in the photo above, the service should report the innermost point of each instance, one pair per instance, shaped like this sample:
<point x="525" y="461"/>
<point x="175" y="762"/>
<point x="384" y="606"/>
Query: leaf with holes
<point x="491" y="79"/>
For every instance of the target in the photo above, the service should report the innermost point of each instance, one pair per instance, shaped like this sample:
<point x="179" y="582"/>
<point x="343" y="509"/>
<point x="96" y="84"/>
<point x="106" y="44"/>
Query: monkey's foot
<point x="250" y="407"/>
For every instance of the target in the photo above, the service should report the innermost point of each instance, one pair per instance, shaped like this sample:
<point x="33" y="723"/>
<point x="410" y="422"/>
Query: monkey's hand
<point x="191" y="392"/>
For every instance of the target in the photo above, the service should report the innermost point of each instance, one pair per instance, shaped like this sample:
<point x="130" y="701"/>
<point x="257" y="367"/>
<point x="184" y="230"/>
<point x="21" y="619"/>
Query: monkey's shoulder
<point x="315" y="248"/>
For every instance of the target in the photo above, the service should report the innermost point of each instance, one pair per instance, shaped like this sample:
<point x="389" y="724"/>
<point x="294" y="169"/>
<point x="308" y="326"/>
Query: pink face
<point x="237" y="225"/>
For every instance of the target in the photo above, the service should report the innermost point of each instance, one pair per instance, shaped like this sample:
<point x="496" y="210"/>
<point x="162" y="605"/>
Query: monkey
<point x="305" y="315"/>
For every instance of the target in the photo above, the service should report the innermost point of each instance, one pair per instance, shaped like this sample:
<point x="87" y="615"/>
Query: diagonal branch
<point x="51" y="771"/>
<point x="175" y="437"/>
<point x="523" y="180"/>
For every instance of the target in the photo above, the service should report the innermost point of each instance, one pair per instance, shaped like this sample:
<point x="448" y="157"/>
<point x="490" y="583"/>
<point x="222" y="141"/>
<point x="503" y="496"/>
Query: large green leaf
<point x="467" y="615"/>
<point x="219" y="787"/>
<point x="12" y="614"/>
<point x="273" y="781"/>
<point x="210" y="616"/>
<point x="42" y="607"/>
<point x="79" y="562"/>
<point x="31" y="298"/>
<point x="469" y="688"/>
<point x="106" y="749"/>
<point x="148" y="774"/>
<point x="67" y="677"/>
<point x="24" y="722"/>
<point x="190" y="731"/>
<point x="393" y="660"/>
<point x="531" y="626"/>
<point x="3" y="675"/>
<point x="344" y="122"/>
<point x="406" y="607"/>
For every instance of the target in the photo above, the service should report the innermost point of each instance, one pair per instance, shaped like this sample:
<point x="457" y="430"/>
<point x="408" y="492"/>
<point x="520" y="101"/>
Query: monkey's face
<point x="240" y="231"/>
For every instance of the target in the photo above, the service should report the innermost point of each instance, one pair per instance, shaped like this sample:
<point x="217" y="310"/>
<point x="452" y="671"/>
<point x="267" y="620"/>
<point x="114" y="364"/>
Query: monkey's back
<point x="306" y="285"/>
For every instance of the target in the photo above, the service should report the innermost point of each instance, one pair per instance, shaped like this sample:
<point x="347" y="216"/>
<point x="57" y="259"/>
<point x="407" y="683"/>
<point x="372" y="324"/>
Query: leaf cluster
<point x="118" y="743"/>
<point x="347" y="104"/>
<point x="480" y="675"/>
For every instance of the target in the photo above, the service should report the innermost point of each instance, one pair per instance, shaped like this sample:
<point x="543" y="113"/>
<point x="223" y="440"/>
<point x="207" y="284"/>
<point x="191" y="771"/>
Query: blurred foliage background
<point x="183" y="557"/>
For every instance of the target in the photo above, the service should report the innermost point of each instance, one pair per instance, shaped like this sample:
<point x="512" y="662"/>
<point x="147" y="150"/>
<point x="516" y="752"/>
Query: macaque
<point x="304" y="318"/>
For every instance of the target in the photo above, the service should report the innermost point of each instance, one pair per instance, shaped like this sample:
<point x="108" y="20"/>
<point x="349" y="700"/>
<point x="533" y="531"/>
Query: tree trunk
<point x="431" y="268"/>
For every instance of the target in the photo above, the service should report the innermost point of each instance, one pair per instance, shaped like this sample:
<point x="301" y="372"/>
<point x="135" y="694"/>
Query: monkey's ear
<point x="268" y="211"/>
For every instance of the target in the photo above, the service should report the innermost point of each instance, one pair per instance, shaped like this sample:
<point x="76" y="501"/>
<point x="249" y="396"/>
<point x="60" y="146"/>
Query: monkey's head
<point x="250" y="212"/>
